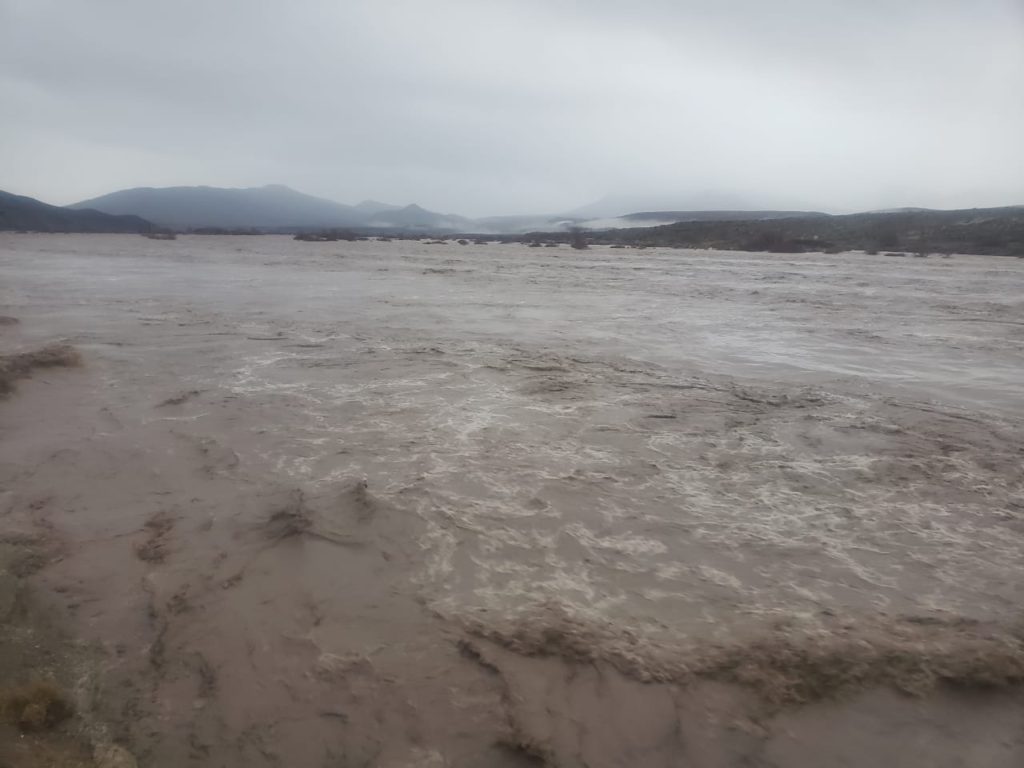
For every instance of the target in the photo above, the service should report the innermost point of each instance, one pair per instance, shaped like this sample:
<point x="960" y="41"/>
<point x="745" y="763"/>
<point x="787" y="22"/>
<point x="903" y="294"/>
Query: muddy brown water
<point x="303" y="491"/>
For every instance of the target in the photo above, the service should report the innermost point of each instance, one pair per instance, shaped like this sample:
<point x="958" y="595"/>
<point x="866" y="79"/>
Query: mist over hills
<point x="370" y="207"/>
<point x="732" y="215"/>
<point x="617" y="205"/>
<point x="277" y="208"/>
<point x="991" y="231"/>
<point x="274" y="207"/>
<point x="185" y="208"/>
<point x="416" y="218"/>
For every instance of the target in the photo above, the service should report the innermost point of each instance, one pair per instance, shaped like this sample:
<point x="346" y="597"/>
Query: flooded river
<point x="403" y="504"/>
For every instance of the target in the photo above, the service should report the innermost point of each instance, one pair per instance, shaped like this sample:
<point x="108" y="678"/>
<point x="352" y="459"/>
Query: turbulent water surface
<point x="313" y="497"/>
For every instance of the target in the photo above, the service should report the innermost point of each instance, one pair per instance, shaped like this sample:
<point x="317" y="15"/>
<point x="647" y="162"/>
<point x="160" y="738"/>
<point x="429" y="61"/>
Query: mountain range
<point x="277" y="208"/>
<point x="274" y="207"/>
<point x="18" y="212"/>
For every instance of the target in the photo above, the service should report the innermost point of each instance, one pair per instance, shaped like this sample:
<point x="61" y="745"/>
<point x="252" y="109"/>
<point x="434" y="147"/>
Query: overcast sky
<point x="519" y="106"/>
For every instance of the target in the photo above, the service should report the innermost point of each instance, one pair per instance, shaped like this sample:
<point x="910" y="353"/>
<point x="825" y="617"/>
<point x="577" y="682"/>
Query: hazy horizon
<point x="520" y="108"/>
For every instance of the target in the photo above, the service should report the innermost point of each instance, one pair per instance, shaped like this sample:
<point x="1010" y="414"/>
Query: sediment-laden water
<point x="405" y="504"/>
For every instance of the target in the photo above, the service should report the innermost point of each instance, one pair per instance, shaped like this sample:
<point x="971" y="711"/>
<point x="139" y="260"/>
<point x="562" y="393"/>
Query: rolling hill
<point x="20" y="213"/>
<point x="270" y="207"/>
<point x="276" y="208"/>
<point x="994" y="231"/>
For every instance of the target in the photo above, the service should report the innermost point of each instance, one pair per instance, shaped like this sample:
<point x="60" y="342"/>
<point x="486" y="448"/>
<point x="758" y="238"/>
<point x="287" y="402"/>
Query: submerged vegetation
<point x="35" y="705"/>
<point x="791" y="665"/>
<point x="327" y="236"/>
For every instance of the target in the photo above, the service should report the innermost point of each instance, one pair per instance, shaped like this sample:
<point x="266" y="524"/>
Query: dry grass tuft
<point x="21" y="365"/>
<point x="179" y="399"/>
<point x="362" y="503"/>
<point x="524" y="751"/>
<point x="154" y="548"/>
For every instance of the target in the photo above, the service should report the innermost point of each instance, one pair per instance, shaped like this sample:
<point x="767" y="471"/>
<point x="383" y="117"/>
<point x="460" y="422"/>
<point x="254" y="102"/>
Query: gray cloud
<point x="484" y="107"/>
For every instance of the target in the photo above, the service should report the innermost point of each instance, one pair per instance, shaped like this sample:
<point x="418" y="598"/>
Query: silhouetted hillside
<point x="275" y="208"/>
<point x="271" y="207"/>
<point x="415" y="217"/>
<point x="996" y="231"/>
<point x="20" y="213"/>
